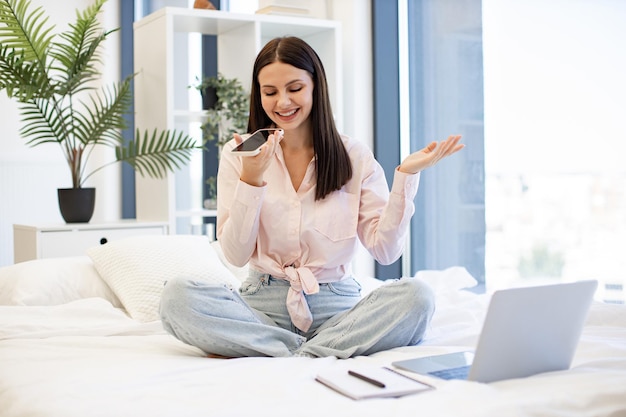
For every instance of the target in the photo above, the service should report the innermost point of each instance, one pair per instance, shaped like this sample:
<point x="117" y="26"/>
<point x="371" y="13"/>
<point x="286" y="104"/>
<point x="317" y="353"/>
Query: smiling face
<point x="287" y="96"/>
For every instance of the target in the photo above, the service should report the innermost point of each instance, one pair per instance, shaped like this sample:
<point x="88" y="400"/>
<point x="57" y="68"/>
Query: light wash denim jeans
<point x="254" y="320"/>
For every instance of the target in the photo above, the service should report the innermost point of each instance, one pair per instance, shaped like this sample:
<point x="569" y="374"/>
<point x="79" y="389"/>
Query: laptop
<point x="527" y="331"/>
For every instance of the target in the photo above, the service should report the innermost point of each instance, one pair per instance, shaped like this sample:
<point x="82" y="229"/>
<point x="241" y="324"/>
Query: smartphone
<point x="250" y="146"/>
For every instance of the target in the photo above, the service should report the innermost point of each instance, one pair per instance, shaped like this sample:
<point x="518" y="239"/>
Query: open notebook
<point x="370" y="382"/>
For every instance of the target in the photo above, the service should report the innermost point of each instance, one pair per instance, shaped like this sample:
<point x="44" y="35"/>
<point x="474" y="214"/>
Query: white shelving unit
<point x="166" y="63"/>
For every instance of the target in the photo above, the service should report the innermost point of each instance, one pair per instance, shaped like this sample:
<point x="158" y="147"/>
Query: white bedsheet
<point x="87" y="358"/>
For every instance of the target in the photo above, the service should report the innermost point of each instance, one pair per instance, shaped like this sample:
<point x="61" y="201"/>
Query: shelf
<point x="217" y="22"/>
<point x="197" y="212"/>
<point x="190" y="116"/>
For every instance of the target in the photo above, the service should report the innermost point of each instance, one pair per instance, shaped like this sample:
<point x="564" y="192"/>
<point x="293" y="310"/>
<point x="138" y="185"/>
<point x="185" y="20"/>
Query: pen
<point x="366" y="379"/>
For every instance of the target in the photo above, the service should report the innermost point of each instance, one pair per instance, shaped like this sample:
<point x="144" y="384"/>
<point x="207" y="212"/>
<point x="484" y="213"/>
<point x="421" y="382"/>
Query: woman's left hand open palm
<point x="431" y="154"/>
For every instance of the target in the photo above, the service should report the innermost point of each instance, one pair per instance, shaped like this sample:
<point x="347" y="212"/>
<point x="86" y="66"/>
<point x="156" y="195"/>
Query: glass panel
<point x="555" y="100"/>
<point x="446" y="97"/>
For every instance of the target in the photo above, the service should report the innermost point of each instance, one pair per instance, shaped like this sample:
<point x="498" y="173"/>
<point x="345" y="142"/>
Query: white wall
<point x="29" y="177"/>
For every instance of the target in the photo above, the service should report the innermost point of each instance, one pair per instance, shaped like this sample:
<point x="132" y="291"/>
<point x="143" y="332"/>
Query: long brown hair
<point x="332" y="163"/>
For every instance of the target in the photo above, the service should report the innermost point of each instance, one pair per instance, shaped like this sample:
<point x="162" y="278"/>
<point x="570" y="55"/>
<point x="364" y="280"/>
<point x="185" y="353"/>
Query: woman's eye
<point x="269" y="93"/>
<point x="295" y="90"/>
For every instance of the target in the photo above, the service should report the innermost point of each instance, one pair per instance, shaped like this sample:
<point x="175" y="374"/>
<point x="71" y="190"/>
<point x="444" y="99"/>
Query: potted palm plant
<point x="51" y="76"/>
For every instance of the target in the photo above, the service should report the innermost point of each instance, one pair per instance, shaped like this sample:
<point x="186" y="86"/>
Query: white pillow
<point x="52" y="281"/>
<point x="137" y="267"/>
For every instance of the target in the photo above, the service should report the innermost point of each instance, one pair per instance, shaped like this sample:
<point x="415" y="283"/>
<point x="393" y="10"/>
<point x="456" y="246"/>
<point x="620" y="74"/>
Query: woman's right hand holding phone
<point x="254" y="167"/>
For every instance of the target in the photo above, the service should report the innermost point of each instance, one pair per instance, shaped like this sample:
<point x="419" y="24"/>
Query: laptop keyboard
<point x="452" y="373"/>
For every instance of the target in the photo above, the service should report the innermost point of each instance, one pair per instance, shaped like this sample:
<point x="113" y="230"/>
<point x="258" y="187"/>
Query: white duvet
<point x="88" y="358"/>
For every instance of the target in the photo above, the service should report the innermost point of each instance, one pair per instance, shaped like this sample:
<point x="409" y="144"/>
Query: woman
<point x="296" y="212"/>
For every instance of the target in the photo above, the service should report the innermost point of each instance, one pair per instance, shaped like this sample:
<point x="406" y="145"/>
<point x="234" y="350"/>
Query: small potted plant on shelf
<point x="227" y="106"/>
<point x="52" y="77"/>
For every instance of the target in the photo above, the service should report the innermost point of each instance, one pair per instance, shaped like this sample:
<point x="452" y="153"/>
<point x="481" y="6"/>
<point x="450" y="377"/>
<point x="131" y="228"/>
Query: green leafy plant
<point x="52" y="77"/>
<point x="230" y="110"/>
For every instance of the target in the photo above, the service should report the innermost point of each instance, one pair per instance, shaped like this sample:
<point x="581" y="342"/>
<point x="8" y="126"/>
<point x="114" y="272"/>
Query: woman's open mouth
<point x="288" y="115"/>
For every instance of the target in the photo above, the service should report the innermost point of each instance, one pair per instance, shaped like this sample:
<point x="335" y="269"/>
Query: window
<point x="445" y="92"/>
<point x="551" y="175"/>
<point x="555" y="100"/>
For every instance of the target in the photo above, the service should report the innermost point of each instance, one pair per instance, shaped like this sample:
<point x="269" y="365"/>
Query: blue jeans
<point x="254" y="320"/>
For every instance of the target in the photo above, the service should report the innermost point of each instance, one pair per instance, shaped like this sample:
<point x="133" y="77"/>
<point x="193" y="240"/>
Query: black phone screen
<point x="254" y="141"/>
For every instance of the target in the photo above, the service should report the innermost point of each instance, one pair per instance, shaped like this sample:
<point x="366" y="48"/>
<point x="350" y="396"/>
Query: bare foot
<point x="216" y="356"/>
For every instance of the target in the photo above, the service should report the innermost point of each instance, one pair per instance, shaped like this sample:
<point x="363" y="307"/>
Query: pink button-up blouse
<point x="286" y="233"/>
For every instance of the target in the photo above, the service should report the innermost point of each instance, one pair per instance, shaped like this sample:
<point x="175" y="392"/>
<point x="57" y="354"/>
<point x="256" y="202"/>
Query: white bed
<point x="77" y="338"/>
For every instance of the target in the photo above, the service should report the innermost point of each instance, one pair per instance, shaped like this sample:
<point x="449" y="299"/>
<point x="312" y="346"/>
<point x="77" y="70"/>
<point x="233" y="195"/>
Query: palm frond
<point x="42" y="123"/>
<point x="155" y="156"/>
<point x="77" y="54"/>
<point x="26" y="39"/>
<point x="24" y="30"/>
<point x="102" y="120"/>
<point x="20" y="79"/>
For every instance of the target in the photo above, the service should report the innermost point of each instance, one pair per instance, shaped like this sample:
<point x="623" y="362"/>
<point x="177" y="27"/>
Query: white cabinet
<point x="36" y="242"/>
<point x="167" y="61"/>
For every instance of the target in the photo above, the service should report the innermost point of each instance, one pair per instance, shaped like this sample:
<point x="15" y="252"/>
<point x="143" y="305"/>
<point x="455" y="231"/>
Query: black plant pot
<point x="209" y="98"/>
<point x="77" y="204"/>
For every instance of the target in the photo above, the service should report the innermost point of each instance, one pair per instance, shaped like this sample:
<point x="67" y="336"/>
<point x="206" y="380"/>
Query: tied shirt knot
<point x="302" y="282"/>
